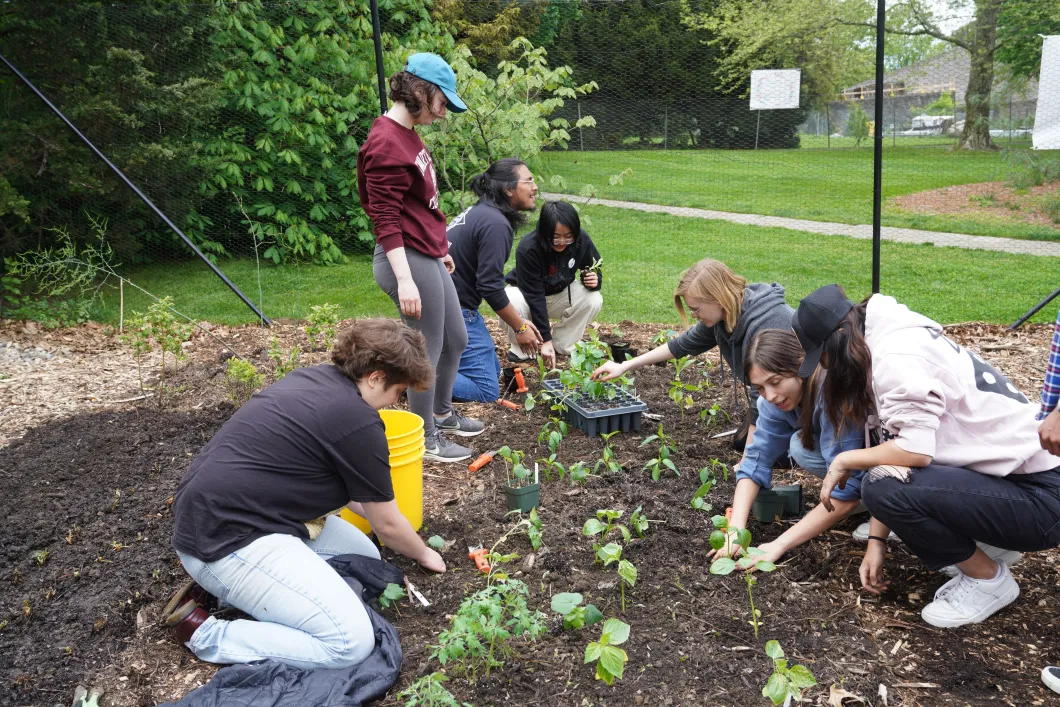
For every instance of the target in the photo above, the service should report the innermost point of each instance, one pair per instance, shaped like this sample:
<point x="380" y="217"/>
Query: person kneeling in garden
<point x="959" y="459"/>
<point x="302" y="448"/>
<point x="480" y="241"/>
<point x="556" y="276"/>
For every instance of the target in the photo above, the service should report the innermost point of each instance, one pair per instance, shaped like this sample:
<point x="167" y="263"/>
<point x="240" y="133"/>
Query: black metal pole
<point x="136" y="190"/>
<point x="377" y="36"/>
<point x="1037" y="308"/>
<point x="877" y="144"/>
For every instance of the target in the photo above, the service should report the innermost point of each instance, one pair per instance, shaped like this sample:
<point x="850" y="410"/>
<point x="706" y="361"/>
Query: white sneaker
<point x="964" y="600"/>
<point x="862" y="534"/>
<point x="997" y="554"/>
<point x="1051" y="678"/>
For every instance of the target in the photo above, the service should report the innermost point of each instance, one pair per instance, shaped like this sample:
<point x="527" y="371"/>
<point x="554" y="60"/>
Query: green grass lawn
<point x="821" y="185"/>
<point x="644" y="255"/>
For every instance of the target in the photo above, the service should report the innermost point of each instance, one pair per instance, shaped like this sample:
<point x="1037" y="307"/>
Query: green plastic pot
<point x="523" y="498"/>
<point x="792" y="496"/>
<point x="769" y="508"/>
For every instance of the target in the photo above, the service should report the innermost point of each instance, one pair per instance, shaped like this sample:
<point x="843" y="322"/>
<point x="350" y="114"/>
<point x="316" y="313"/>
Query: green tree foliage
<point x="857" y="123"/>
<point x="300" y="94"/>
<point x="130" y="78"/>
<point x="1018" y="28"/>
<point x="510" y="115"/>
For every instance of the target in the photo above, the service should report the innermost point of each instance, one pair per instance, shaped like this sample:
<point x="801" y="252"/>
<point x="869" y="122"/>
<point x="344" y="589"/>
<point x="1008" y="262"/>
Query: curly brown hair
<point x="385" y="345"/>
<point x="416" y="93"/>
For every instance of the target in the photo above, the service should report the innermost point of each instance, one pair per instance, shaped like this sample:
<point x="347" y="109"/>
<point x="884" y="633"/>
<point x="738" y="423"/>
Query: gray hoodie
<point x="763" y="308"/>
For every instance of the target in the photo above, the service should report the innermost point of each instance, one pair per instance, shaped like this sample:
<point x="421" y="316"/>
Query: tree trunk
<point x="976" y="133"/>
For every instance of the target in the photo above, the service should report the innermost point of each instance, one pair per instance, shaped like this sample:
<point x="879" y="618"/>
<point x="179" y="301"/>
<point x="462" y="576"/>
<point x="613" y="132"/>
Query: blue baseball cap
<point x="433" y="68"/>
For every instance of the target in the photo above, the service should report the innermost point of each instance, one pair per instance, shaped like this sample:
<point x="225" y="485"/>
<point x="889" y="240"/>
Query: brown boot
<point x="189" y="591"/>
<point x="185" y="621"/>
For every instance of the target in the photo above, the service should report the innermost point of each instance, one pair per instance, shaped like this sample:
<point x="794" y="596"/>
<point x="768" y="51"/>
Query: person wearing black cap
<point x="398" y="187"/>
<point x="958" y="459"/>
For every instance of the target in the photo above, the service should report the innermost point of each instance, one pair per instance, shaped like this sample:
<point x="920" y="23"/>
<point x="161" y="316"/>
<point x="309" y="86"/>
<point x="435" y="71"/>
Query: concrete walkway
<point x="888" y="233"/>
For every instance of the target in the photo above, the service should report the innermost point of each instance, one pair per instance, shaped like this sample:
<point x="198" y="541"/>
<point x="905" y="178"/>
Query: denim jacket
<point x="772" y="437"/>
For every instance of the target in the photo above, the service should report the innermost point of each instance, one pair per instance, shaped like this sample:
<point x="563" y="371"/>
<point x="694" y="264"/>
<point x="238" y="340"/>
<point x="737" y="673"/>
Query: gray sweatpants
<point x="440" y="323"/>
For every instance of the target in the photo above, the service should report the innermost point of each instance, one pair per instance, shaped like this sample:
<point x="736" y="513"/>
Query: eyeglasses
<point x="526" y="181"/>
<point x="563" y="239"/>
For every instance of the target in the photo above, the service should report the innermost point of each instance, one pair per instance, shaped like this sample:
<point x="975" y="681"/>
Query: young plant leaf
<point x="743" y="537"/>
<point x="723" y="566"/>
<point x="773" y="649"/>
<point x="436" y="541"/>
<point x="565" y="602"/>
<point x="617" y="631"/>
<point x="593" y="527"/>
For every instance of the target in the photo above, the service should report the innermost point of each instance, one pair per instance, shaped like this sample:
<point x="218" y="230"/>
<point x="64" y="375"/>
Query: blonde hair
<point x="713" y="282"/>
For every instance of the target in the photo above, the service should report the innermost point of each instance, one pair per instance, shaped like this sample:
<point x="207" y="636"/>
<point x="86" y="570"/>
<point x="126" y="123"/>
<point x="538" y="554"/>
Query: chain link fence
<point x="241" y="122"/>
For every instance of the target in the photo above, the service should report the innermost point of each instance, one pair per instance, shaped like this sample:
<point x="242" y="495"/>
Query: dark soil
<point x="690" y="644"/>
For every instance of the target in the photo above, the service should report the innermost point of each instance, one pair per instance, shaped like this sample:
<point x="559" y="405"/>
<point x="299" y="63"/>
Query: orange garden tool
<point x="481" y="461"/>
<point x="520" y="382"/>
<point x="478" y="554"/>
<point x="507" y="403"/>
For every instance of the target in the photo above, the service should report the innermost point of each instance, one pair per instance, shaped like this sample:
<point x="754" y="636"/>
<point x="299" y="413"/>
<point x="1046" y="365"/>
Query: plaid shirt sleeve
<point x="1051" y="387"/>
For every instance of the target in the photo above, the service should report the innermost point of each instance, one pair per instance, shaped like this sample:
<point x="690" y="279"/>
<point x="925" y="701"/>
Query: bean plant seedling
<point x="428" y="691"/>
<point x="722" y="538"/>
<point x="602" y="525"/>
<point x="638" y="522"/>
<point x="535" y="530"/>
<point x="698" y="498"/>
<point x="391" y="595"/>
<point x="518" y="475"/>
<point x="552" y="433"/>
<point x="577" y="472"/>
<point x="550" y="466"/>
<point x="680" y="392"/>
<point x="667" y="447"/>
<point x="575" y="616"/>
<point x="608" y="459"/>
<point x="609" y="658"/>
<point x="785" y="683"/>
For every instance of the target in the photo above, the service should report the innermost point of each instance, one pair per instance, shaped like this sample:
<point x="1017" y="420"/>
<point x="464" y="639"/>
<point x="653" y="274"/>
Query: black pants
<point x="943" y="510"/>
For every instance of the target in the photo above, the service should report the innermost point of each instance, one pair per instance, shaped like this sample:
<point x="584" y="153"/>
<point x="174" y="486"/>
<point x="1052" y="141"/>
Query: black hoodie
<point x="539" y="274"/>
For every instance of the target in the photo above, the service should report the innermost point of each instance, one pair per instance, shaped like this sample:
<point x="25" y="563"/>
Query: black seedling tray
<point x="601" y="416"/>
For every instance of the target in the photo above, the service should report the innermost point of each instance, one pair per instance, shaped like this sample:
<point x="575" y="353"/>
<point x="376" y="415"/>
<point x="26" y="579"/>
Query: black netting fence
<point x="679" y="127"/>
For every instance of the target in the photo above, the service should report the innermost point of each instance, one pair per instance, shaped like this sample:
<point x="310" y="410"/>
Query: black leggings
<point x="943" y="510"/>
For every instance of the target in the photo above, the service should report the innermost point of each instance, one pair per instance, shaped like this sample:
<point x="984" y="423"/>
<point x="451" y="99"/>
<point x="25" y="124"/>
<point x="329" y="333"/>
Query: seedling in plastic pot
<point x="785" y="684"/>
<point x="722" y="537"/>
<point x="518" y="475"/>
<point x="391" y="595"/>
<point x="609" y="658"/>
<point x="608" y="459"/>
<point x="662" y="459"/>
<point x="575" y="616"/>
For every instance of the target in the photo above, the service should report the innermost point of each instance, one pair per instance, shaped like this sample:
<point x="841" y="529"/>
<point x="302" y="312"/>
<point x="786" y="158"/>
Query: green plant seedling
<point x="283" y="363"/>
<point x="711" y="472"/>
<point x="391" y="595"/>
<point x="436" y="541"/>
<point x="578" y="474"/>
<point x="321" y="324"/>
<point x="698" y="497"/>
<point x="609" y="658"/>
<point x="665" y="336"/>
<point x="41" y="556"/>
<point x="602" y="525"/>
<point x="586" y="357"/>
<point x="552" y="433"/>
<point x="575" y="616"/>
<point x="710" y="415"/>
<point x="627" y="573"/>
<point x="138" y="338"/>
<point x="638" y="522"/>
<point x="785" y="683"/>
<point x="535" y="530"/>
<point x="550" y="466"/>
<point x="518" y="475"/>
<point x="596" y="265"/>
<point x="484" y="628"/>
<point x="428" y="691"/>
<point x="679" y="391"/>
<point x="667" y="447"/>
<point x="241" y="380"/>
<point x="722" y="538"/>
<point x="608" y="459"/>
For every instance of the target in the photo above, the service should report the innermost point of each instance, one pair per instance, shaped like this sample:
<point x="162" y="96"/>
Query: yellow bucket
<point x="404" y="433"/>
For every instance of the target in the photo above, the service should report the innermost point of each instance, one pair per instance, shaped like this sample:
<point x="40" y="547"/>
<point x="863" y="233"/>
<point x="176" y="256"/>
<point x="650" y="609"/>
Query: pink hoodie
<point x="936" y="398"/>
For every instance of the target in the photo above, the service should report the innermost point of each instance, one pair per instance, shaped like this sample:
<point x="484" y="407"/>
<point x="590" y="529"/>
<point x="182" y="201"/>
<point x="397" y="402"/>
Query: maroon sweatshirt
<point x="399" y="190"/>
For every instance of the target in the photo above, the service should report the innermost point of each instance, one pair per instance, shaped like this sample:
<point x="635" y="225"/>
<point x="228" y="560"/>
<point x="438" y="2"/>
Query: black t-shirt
<point x="304" y="446"/>
<point x="480" y="241"/>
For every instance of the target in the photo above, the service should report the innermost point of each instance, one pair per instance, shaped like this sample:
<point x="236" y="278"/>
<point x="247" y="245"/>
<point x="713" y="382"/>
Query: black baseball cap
<point x="816" y="317"/>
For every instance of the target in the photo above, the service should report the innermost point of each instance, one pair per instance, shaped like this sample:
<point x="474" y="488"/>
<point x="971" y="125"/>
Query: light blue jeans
<point x="479" y="368"/>
<point x="811" y="461"/>
<point x="307" y="616"/>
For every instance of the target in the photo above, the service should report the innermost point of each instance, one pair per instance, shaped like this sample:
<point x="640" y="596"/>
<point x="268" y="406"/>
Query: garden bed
<point x="690" y="643"/>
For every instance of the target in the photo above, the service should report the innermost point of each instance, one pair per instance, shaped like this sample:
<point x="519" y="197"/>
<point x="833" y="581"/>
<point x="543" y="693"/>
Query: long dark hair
<point x="552" y="214"/>
<point x="847" y="388"/>
<point x="779" y="351"/>
<point x="493" y="185"/>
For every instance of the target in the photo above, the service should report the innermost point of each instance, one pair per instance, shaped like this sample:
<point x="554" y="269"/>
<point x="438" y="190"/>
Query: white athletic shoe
<point x="862" y="534"/>
<point x="964" y="600"/>
<point x="997" y="554"/>
<point x="1051" y="678"/>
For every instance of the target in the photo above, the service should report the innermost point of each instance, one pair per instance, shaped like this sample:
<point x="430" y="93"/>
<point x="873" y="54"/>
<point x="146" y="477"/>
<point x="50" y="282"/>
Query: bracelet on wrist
<point x="523" y="328"/>
<point x="877" y="537"/>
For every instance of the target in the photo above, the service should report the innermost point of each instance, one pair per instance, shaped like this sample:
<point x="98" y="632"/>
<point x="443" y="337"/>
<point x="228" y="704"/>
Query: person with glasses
<point x="556" y="276"/>
<point x="480" y="241"/>
<point x="729" y="313"/>
<point x="398" y="188"/>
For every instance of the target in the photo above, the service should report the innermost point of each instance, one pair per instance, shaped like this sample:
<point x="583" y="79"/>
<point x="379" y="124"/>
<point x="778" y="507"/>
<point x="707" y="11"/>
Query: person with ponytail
<point x="791" y="421"/>
<point x="728" y="312"/>
<point x="957" y="471"/>
<point x="480" y="241"/>
<point x="556" y="276"/>
<point x="398" y="188"/>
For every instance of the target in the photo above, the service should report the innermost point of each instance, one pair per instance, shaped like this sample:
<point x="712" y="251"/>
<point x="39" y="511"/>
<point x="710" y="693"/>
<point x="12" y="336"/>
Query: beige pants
<point x="574" y="315"/>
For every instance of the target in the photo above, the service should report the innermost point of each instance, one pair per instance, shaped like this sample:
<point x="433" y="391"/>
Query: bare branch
<point x="925" y="32"/>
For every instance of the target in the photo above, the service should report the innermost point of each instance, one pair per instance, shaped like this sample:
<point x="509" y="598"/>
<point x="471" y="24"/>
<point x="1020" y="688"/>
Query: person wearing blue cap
<point x="398" y="187"/>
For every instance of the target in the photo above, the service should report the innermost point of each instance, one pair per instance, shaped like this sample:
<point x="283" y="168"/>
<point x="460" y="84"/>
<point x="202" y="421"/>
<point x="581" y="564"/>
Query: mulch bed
<point x="995" y="200"/>
<point x="93" y="602"/>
